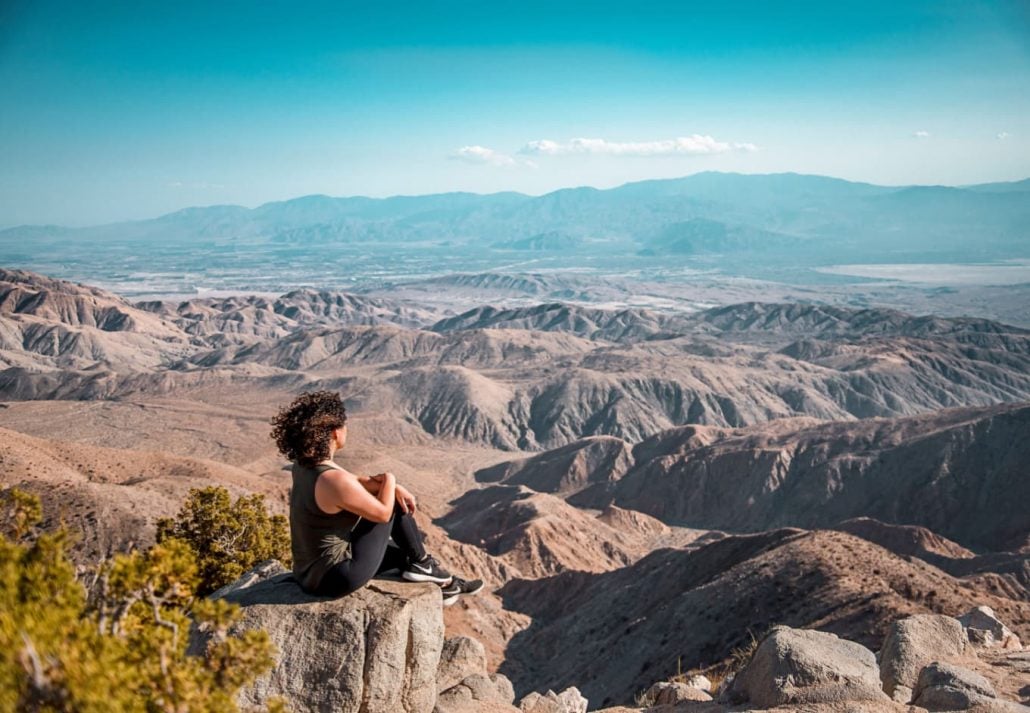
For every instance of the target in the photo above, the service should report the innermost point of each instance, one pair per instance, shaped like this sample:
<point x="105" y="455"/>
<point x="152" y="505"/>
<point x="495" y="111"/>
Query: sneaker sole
<point x="417" y="577"/>
<point x="448" y="601"/>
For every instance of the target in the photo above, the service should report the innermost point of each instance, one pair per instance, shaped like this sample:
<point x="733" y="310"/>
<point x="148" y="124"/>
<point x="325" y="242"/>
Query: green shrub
<point x="126" y="652"/>
<point x="227" y="538"/>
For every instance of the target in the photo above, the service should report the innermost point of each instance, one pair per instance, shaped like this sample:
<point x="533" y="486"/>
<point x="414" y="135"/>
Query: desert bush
<point x="126" y="652"/>
<point x="227" y="538"/>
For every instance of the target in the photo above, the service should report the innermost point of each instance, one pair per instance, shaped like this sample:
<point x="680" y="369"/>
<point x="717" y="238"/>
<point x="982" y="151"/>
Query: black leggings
<point x="372" y="554"/>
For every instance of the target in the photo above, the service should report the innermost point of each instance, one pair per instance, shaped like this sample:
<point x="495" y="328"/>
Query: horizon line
<point x="963" y="186"/>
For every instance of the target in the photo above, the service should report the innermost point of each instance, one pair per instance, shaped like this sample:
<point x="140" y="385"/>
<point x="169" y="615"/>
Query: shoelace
<point x="428" y="564"/>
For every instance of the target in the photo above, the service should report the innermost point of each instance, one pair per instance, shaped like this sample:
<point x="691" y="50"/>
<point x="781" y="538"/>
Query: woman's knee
<point x="338" y="582"/>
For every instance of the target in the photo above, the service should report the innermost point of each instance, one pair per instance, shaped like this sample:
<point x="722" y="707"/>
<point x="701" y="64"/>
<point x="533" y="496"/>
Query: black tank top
<point x="318" y="540"/>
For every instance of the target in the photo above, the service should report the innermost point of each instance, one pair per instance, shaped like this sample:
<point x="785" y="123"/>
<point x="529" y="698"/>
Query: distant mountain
<point x="550" y="241"/>
<point x="706" y="212"/>
<point x="1004" y="187"/>
<point x="922" y="470"/>
<point x="591" y="323"/>
<point x="918" y="472"/>
<point x="703" y="235"/>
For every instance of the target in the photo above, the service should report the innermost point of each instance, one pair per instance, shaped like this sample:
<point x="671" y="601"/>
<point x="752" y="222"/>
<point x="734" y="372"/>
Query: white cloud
<point x="922" y="134"/>
<point x="484" y="156"/>
<point x="201" y="185"/>
<point x="693" y="145"/>
<point x="1004" y="135"/>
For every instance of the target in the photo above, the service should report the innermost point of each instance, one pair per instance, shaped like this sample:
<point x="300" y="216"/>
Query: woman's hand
<point x="405" y="499"/>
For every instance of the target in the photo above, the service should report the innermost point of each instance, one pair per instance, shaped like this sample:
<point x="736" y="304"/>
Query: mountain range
<point x="788" y="215"/>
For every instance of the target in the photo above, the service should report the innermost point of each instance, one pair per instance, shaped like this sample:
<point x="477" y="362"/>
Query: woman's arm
<point x="372" y="483"/>
<point x="342" y="491"/>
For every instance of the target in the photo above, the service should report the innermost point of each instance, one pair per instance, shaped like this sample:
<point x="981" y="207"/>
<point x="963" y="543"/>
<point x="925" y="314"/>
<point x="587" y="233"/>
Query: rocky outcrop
<point x="817" y="672"/>
<point x="943" y="686"/>
<point x="986" y="630"/>
<point x="915" y="642"/>
<point x="568" y="701"/>
<point x="478" y="693"/>
<point x="464" y="684"/>
<point x="826" y="580"/>
<point x="374" y="651"/>
<point x="461" y="656"/>
<point x="801" y="666"/>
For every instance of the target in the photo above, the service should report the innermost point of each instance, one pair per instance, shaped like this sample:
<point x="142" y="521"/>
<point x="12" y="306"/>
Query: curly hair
<point x="303" y="429"/>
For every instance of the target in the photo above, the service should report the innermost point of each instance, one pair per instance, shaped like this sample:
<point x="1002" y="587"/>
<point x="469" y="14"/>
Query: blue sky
<point x="122" y="110"/>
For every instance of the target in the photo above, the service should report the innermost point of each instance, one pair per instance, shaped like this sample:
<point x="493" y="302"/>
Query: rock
<point x="504" y="687"/>
<point x="944" y="686"/>
<point x="669" y="692"/>
<point x="257" y="573"/>
<point x="478" y="693"/>
<point x="465" y="686"/>
<point x="797" y="666"/>
<point x="376" y="650"/>
<point x="912" y="643"/>
<point x="699" y="681"/>
<point x="568" y="701"/>
<point x="461" y="656"/>
<point x="984" y="629"/>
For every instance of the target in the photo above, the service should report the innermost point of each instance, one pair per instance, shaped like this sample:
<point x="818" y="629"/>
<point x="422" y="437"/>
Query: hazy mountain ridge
<point x="844" y="216"/>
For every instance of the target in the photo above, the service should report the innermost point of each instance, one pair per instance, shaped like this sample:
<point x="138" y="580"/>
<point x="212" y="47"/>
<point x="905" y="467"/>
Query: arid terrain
<point x="659" y="483"/>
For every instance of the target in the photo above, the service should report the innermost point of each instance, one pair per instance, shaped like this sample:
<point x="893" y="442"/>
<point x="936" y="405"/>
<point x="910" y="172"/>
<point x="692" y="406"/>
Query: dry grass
<point x="719" y="674"/>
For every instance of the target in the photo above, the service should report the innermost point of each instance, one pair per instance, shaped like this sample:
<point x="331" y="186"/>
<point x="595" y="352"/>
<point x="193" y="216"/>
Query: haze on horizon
<point x="129" y="110"/>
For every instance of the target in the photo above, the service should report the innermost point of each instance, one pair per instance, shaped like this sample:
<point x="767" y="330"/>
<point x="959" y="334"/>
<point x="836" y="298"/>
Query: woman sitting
<point x="341" y="523"/>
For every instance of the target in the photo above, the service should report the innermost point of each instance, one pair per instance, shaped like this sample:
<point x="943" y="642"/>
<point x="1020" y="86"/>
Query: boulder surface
<point x="374" y="651"/>
<point x="799" y="666"/>
<point x="912" y="643"/>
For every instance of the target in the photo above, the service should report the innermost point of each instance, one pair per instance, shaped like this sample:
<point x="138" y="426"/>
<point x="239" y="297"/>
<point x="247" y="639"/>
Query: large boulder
<point x="461" y="656"/>
<point x="464" y="684"/>
<point x="984" y="629"/>
<point x="802" y="666"/>
<point x="912" y="643"/>
<point x="947" y="687"/>
<point x="478" y="693"/>
<point x="374" y="651"/>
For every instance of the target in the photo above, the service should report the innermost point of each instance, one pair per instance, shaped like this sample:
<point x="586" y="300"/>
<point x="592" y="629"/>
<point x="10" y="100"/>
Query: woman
<point x="341" y="523"/>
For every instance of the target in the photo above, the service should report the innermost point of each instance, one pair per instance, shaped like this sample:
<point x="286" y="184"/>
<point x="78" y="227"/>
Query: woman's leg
<point x="368" y="546"/>
<point x="370" y="553"/>
<point x="406" y="534"/>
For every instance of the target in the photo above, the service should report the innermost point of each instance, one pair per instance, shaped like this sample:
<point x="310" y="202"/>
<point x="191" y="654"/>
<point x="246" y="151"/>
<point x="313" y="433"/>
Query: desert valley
<point x="664" y="484"/>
